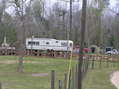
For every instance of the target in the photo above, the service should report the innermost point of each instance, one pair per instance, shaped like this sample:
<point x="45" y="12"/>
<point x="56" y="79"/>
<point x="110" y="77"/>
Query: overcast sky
<point x="112" y="2"/>
<point x="51" y="2"/>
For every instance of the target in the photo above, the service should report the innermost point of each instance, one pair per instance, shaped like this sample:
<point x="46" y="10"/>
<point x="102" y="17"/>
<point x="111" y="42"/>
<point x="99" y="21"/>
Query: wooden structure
<point x="5" y="49"/>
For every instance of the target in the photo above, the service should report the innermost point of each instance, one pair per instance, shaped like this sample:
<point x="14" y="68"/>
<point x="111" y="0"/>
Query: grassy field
<point x="10" y="79"/>
<point x="100" y="78"/>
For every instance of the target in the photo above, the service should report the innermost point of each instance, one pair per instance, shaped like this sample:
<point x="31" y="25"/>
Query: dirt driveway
<point x="115" y="79"/>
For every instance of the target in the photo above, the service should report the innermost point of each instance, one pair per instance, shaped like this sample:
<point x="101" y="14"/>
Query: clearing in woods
<point x="37" y="73"/>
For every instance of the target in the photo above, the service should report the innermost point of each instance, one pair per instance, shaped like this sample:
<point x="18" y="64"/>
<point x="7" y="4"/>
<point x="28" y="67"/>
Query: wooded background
<point x="28" y="18"/>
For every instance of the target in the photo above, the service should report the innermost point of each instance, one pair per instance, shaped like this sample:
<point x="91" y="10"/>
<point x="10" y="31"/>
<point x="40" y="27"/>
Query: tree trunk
<point x="21" y="40"/>
<point x="21" y="48"/>
<point x="83" y="27"/>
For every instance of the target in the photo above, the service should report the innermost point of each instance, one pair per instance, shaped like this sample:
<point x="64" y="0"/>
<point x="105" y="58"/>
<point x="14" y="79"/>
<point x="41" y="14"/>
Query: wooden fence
<point x="90" y="62"/>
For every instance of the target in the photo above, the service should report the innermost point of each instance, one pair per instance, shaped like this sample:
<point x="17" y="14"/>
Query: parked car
<point x="113" y="52"/>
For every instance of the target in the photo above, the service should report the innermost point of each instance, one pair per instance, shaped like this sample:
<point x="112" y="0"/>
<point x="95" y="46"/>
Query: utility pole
<point x="69" y="32"/>
<point x="70" y="23"/>
<point x="83" y="28"/>
<point x="63" y="21"/>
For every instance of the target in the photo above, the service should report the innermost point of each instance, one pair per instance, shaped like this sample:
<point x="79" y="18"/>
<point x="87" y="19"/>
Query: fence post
<point x="89" y="60"/>
<point x="69" y="80"/>
<point x="100" y="65"/>
<point x="87" y="64"/>
<point x="73" y="78"/>
<point x="65" y="81"/>
<point x="52" y="79"/>
<point x="76" y="77"/>
<point x="118" y="63"/>
<point x="107" y="63"/>
<point x="84" y="68"/>
<point x="60" y="84"/>
<point x="93" y="60"/>
<point x="0" y="85"/>
<point x="113" y="61"/>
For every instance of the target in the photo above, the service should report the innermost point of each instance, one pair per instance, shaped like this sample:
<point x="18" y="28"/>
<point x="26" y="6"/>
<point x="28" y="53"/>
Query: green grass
<point x="13" y="80"/>
<point x="100" y="78"/>
<point x="10" y="79"/>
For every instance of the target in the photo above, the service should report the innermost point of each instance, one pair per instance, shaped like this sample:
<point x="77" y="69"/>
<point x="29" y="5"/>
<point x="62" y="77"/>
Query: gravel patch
<point x="39" y="74"/>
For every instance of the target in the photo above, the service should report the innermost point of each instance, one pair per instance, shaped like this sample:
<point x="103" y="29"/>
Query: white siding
<point x="52" y="44"/>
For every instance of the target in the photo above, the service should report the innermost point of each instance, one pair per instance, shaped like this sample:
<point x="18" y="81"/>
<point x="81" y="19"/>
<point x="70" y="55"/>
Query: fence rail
<point x="90" y="62"/>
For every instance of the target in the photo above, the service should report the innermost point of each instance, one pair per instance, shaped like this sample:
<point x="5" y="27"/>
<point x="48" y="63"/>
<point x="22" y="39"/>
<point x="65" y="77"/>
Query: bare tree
<point x="2" y="9"/>
<point x="20" y="26"/>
